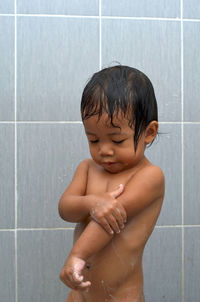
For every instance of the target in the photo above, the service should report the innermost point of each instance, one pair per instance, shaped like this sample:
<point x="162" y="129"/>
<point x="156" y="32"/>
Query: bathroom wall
<point x="48" y="50"/>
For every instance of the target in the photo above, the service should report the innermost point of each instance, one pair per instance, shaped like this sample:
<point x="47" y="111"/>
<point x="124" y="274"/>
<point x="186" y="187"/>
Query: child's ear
<point x="151" y="131"/>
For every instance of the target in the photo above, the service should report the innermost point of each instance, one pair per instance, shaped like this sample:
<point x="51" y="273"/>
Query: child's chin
<point x="112" y="169"/>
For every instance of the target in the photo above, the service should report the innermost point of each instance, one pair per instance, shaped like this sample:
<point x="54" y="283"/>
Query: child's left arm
<point x="146" y="187"/>
<point x="92" y="240"/>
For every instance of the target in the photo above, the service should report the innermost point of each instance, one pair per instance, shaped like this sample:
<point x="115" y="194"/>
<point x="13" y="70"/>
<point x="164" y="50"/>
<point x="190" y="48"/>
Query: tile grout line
<point x="100" y="37"/>
<point x="15" y="148"/>
<point x="175" y="226"/>
<point x="80" y="122"/>
<point x="182" y="147"/>
<point x="102" y="17"/>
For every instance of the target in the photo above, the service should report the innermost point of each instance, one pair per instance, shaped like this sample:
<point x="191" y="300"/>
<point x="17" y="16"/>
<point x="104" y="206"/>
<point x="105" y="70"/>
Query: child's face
<point x="112" y="147"/>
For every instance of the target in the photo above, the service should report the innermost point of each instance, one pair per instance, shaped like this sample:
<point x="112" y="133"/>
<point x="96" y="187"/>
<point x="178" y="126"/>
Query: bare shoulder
<point x="90" y="165"/>
<point x="152" y="177"/>
<point x="87" y="163"/>
<point x="153" y="173"/>
<point x="84" y="166"/>
<point x="79" y="180"/>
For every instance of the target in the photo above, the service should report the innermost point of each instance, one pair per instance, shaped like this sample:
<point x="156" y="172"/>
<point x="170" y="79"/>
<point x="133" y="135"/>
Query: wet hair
<point x="121" y="89"/>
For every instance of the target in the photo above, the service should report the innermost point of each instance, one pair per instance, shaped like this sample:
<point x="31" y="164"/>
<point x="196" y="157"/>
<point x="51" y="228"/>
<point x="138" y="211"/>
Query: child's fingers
<point x="114" y="223"/>
<point x="118" y="216"/>
<point x="77" y="282"/>
<point x="117" y="192"/>
<point x="84" y="286"/>
<point x="76" y="277"/>
<point x="122" y="212"/>
<point x="110" y="223"/>
<point x="67" y="280"/>
<point x="104" y="223"/>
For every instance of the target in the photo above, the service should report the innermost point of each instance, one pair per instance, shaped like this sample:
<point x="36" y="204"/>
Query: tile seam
<point x="15" y="148"/>
<point x="102" y="17"/>
<point x="72" y="228"/>
<point x="182" y="147"/>
<point x="80" y="122"/>
<point x="100" y="37"/>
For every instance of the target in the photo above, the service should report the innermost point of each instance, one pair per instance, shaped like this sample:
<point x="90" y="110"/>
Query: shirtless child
<point x="116" y="196"/>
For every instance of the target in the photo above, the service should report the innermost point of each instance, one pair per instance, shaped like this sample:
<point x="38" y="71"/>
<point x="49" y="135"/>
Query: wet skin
<point x="115" y="270"/>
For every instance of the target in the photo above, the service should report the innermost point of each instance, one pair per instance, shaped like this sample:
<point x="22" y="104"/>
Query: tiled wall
<point x="48" y="50"/>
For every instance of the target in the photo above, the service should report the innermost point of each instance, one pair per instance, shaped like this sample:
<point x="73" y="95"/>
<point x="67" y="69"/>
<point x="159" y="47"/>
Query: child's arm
<point x="92" y="240"/>
<point x="75" y="206"/>
<point x="141" y="191"/>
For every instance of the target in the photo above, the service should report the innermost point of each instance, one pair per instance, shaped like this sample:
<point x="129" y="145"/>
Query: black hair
<point x="121" y="89"/>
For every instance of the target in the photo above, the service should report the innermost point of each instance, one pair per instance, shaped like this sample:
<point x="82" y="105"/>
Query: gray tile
<point x="7" y="263"/>
<point x="65" y="7"/>
<point x="166" y="153"/>
<point x="47" y="157"/>
<point x="191" y="9"/>
<point x="162" y="266"/>
<point x="154" y="48"/>
<point x="53" y="66"/>
<point x="142" y="8"/>
<point x="7" y="68"/>
<point x="41" y="255"/>
<point x="7" y="188"/>
<point x="191" y="174"/>
<point x="191" y="71"/>
<point x="7" y="7"/>
<point x="192" y="267"/>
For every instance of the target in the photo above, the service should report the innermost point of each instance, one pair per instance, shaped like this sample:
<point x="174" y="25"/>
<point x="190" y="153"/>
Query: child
<point x="116" y="196"/>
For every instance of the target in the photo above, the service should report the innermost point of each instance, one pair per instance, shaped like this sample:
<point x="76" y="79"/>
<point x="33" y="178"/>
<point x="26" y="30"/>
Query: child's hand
<point x="109" y="212"/>
<point x="71" y="274"/>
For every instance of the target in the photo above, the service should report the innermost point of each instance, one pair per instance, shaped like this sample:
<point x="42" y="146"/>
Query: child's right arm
<point x="75" y="206"/>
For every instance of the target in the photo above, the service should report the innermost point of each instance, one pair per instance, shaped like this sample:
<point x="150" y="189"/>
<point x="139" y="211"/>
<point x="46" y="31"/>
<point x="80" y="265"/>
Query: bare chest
<point x="100" y="181"/>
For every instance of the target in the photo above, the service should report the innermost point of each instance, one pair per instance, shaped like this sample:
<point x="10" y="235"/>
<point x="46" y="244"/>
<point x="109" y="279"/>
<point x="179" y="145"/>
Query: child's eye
<point x="94" y="141"/>
<point x="119" y="142"/>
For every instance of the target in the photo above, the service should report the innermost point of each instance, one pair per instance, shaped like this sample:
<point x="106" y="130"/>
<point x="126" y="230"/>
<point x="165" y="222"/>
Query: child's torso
<point x="116" y="271"/>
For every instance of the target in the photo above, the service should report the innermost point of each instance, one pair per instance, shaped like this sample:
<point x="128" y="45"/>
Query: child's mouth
<point x="109" y="163"/>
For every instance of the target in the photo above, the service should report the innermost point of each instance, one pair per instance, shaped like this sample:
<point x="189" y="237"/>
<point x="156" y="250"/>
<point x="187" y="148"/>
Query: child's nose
<point x="105" y="150"/>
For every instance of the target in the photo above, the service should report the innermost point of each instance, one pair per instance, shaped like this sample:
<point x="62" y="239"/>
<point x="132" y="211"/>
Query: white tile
<point x="7" y="260"/>
<point x="152" y="47"/>
<point x="142" y="8"/>
<point x="191" y="9"/>
<point x="162" y="266"/>
<point x="7" y="178"/>
<point x="41" y="255"/>
<point x="7" y="68"/>
<point x="191" y="174"/>
<point x="53" y="68"/>
<point x="65" y="7"/>
<point x="191" y="31"/>
<point x="47" y="157"/>
<point x="7" y="6"/>
<point x="192" y="268"/>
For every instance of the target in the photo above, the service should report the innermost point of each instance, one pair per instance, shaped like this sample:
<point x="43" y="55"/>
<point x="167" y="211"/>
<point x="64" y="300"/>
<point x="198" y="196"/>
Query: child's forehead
<point x="118" y="121"/>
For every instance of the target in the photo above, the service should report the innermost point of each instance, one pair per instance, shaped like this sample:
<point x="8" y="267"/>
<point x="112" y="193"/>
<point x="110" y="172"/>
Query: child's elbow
<point x="65" y="211"/>
<point x="61" y="211"/>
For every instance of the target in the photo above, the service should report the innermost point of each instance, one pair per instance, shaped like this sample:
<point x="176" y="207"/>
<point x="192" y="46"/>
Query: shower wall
<point x="48" y="50"/>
